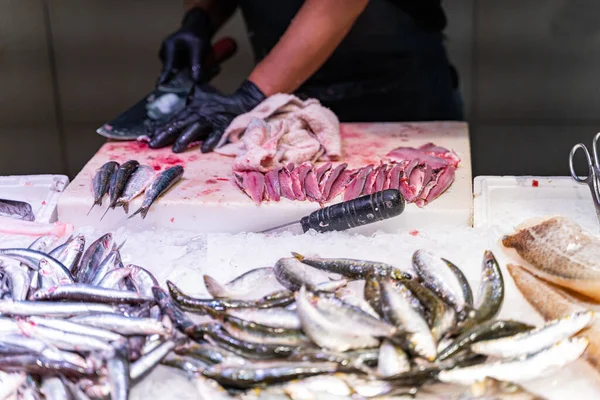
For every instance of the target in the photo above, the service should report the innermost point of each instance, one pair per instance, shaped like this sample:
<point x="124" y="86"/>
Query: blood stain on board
<point x="211" y="181"/>
<point x="43" y="202"/>
<point x="222" y="179"/>
<point x="414" y="232"/>
<point x="173" y="219"/>
<point x="207" y="192"/>
<point x="159" y="162"/>
<point x="535" y="183"/>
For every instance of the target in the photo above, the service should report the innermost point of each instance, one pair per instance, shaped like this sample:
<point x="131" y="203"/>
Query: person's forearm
<point x="219" y="11"/>
<point x="311" y="38"/>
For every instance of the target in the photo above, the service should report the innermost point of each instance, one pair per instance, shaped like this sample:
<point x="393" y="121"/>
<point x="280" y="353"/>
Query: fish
<point x="520" y="369"/>
<point x="161" y="183"/>
<point x="535" y="340"/>
<point x="137" y="183"/>
<point x="349" y="361"/>
<point x="16" y="210"/>
<point x="65" y="309"/>
<point x="112" y="261"/>
<point x="398" y="311"/>
<point x="41" y="348"/>
<point x="355" y="188"/>
<point x="119" y="181"/>
<point x="372" y="293"/>
<point x="124" y="325"/>
<point x="43" y="243"/>
<point x="72" y="253"/>
<point x="168" y="308"/>
<point x="332" y="177"/>
<point x="253" y="332"/>
<point x="351" y="268"/>
<point x="491" y="388"/>
<point x="117" y="370"/>
<point x="272" y="185"/>
<point x="392" y="360"/>
<point x="142" y="280"/>
<point x="75" y="328"/>
<point x="209" y="389"/>
<point x="33" y="258"/>
<point x="101" y="182"/>
<point x="325" y="332"/>
<point x="311" y="185"/>
<point x="41" y="366"/>
<point x="192" y="366"/>
<point x="560" y="251"/>
<point x="319" y="387"/>
<point x="92" y="257"/>
<point x="209" y="354"/>
<point x="298" y="176"/>
<point x="114" y="278"/>
<point x="493" y="329"/>
<point x="274" y="317"/>
<point x="293" y="274"/>
<point x="54" y="388"/>
<point x="150" y="360"/>
<point x="436" y="275"/>
<point x="552" y="302"/>
<point x="270" y="372"/>
<point x="244" y="286"/>
<point x="19" y="281"/>
<point x="90" y="293"/>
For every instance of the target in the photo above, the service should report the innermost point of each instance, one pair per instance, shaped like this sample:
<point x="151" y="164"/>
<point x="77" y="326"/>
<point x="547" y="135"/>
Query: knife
<point x="164" y="101"/>
<point x="349" y="214"/>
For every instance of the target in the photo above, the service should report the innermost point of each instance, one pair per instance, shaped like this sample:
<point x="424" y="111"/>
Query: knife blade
<point x="363" y="210"/>
<point x="164" y="101"/>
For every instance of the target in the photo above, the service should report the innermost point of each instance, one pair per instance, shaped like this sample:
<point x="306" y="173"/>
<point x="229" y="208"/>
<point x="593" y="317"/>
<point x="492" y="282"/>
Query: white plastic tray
<point x="507" y="201"/>
<point x="41" y="191"/>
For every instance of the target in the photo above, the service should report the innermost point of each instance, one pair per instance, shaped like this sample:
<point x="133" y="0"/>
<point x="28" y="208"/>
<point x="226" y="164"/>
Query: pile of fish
<point x="421" y="174"/>
<point x="125" y="182"/>
<point x="77" y="323"/>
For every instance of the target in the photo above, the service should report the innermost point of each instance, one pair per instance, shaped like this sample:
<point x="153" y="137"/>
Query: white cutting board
<point x="507" y="201"/>
<point x="207" y="200"/>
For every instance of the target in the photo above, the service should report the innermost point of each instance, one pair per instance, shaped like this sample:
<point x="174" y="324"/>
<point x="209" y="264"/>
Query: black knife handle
<point x="360" y="211"/>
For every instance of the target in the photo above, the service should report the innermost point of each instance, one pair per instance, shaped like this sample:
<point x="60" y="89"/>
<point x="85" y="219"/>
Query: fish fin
<point x="142" y="210"/>
<point x="298" y="256"/>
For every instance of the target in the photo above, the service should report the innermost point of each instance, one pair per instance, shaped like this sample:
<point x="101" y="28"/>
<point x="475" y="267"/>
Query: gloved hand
<point x="188" y="47"/>
<point x="205" y="117"/>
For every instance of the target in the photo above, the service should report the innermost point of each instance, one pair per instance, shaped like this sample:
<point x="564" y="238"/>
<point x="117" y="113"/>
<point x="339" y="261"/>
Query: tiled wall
<point x="528" y="68"/>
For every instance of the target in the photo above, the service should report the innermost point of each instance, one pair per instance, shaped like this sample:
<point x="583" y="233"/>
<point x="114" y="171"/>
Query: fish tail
<point x="125" y="206"/>
<point x="142" y="210"/>
<point x="298" y="256"/>
<point x="122" y="244"/>
<point x="96" y="203"/>
<point x="102" y="217"/>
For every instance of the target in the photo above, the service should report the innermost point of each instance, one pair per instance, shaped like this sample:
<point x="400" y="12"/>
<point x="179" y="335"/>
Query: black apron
<point x="392" y="65"/>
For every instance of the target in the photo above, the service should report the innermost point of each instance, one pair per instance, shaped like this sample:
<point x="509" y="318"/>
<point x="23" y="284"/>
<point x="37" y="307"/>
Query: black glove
<point x="205" y="117"/>
<point x="188" y="47"/>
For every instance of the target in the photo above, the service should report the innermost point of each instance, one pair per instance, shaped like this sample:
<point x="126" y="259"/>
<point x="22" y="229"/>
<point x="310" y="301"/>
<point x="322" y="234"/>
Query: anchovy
<point x="136" y="185"/>
<point x="353" y="269"/>
<point x="42" y="348"/>
<point x="149" y="361"/>
<point x="325" y="332"/>
<point x="19" y="281"/>
<point x="209" y="353"/>
<point x="253" y="332"/>
<point x="398" y="311"/>
<point x="65" y="340"/>
<point x="273" y="317"/>
<point x="72" y="253"/>
<point x="487" y="330"/>
<point x="117" y="368"/>
<point x="41" y="366"/>
<point x="33" y="258"/>
<point x="114" y="278"/>
<point x="277" y="299"/>
<point x="75" y="328"/>
<point x="350" y="361"/>
<point x="143" y="281"/>
<point x="95" y="253"/>
<point x="436" y="275"/>
<point x="392" y="360"/>
<point x="43" y="243"/>
<point x="121" y="324"/>
<point x="273" y="372"/>
<point x="372" y="293"/>
<point x="168" y="307"/>
<point x="208" y="389"/>
<point x="53" y="388"/>
<point x="247" y="284"/>
<point x="535" y="340"/>
<point x="101" y="181"/>
<point x="90" y="293"/>
<point x="159" y="185"/>
<point x="112" y="261"/>
<point x="192" y="366"/>
<point x="66" y="309"/>
<point x="519" y="369"/>
<point x="293" y="274"/>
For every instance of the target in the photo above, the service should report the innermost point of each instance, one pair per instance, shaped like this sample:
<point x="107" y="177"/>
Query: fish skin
<point x="90" y="293"/>
<point x="208" y="353"/>
<point x="437" y="276"/>
<point x="73" y="251"/>
<point x="560" y="251"/>
<point x="491" y="388"/>
<point x="293" y="274"/>
<point x="27" y="308"/>
<point x="325" y="332"/>
<point x="372" y="293"/>
<point x="398" y="311"/>
<point x="42" y="348"/>
<point x="141" y="178"/>
<point x="112" y="261"/>
<point x="114" y="278"/>
<point x="353" y="269"/>
<point x="117" y="368"/>
<point x="168" y="308"/>
<point x="120" y="179"/>
<point x="464" y="283"/>
<point x="19" y="279"/>
<point x="275" y="372"/>
<point x="142" y="367"/>
<point x="92" y="257"/>
<point x="73" y="327"/>
<point x="209" y="389"/>
<point x="33" y="258"/>
<point x="553" y="302"/>
<point x="519" y="369"/>
<point x="53" y="388"/>
<point x="241" y="286"/>
<point x="273" y="317"/>
<point x="492" y="329"/>
<point x="127" y="326"/>
<point x="41" y="366"/>
<point x="253" y="332"/>
<point x="142" y="280"/>
<point x="161" y="184"/>
<point x="101" y="182"/>
<point x="392" y="360"/>
<point x="535" y="340"/>
<point x="43" y="243"/>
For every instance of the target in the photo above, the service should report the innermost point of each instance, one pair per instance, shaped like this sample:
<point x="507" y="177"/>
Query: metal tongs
<point x="592" y="179"/>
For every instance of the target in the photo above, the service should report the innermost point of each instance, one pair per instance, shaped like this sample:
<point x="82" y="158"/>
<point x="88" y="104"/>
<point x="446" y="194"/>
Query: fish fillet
<point x="560" y="252"/>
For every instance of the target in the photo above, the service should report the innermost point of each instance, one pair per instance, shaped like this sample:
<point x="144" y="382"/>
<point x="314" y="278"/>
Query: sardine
<point x="392" y="360"/>
<point x="101" y="181"/>
<point x="535" y="340"/>
<point x="353" y="269"/>
<point x="493" y="329"/>
<point x="159" y="185"/>
<point x="398" y="311"/>
<point x="325" y="332"/>
<point x="124" y="325"/>
<point x="277" y="299"/>
<point x="519" y="369"/>
<point x="553" y="302"/>
<point x="136" y="185"/>
<point x="435" y="274"/>
<point x="90" y="293"/>
<point x="247" y="284"/>
<point x="142" y="280"/>
<point x="112" y="261"/>
<point x="92" y="257"/>
<point x="293" y="274"/>
<point x="559" y="251"/>
<point x="72" y="253"/>
<point x="273" y="317"/>
<point x="121" y="177"/>
<point x="66" y="309"/>
<point x="271" y="372"/>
